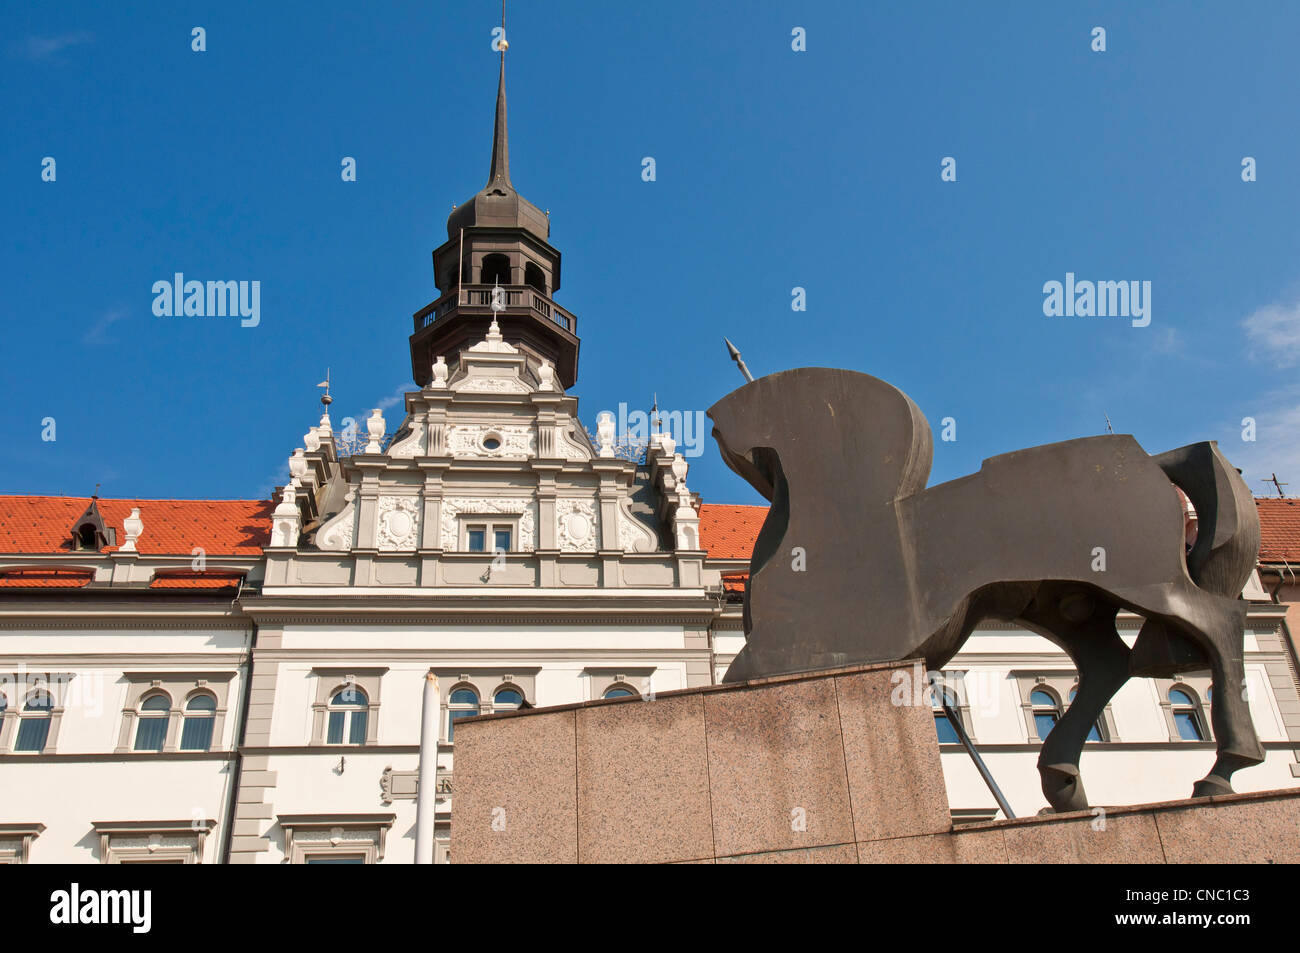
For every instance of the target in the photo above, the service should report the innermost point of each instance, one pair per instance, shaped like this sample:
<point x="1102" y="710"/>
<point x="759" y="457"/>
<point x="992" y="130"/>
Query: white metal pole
<point x="428" y="780"/>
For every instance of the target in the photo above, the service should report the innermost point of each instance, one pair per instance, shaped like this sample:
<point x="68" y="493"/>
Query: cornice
<point x="115" y="659"/>
<point x="116" y="624"/>
<point x="506" y="656"/>
<point x="334" y="619"/>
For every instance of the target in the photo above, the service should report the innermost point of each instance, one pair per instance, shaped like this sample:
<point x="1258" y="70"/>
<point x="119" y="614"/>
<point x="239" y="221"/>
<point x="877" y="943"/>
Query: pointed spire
<point x="500" y="173"/>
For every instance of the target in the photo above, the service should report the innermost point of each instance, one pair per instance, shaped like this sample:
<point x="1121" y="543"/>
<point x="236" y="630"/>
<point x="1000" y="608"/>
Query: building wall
<point x="88" y="772"/>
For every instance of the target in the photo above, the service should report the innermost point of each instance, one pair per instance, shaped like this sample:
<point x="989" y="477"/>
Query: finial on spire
<point x="500" y="172"/>
<point x="326" y="399"/>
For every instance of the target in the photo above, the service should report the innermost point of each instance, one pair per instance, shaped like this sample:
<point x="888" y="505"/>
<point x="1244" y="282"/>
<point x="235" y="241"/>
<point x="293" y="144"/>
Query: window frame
<point x="175" y="685"/>
<point x="134" y="842"/>
<point x="1197" y="688"/>
<point x="329" y="682"/>
<point x="491" y="524"/>
<point x="145" y="716"/>
<point x="18" y="689"/>
<point x="207" y="716"/>
<point x="335" y="835"/>
<point x="449" y="708"/>
<point x="1058" y="682"/>
<point x="349" y="712"/>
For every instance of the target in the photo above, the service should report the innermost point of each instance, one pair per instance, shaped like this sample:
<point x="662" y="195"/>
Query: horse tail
<point x="1227" y="523"/>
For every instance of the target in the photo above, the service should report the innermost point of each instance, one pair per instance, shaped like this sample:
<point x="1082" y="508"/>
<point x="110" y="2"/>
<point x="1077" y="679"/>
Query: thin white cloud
<point x="1274" y="449"/>
<point x="38" y="48"/>
<point x="1273" y="333"/>
<point x="96" y="334"/>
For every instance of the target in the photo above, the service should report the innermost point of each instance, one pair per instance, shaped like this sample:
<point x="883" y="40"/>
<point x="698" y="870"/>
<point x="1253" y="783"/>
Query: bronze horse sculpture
<point x="1056" y="539"/>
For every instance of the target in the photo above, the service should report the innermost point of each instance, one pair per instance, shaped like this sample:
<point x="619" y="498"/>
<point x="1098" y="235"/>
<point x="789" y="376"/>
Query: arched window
<point x="619" y="691"/>
<point x="349" y="711"/>
<point x="87" y="536"/>
<point x="507" y="699"/>
<point x="151" y="726"/>
<point x="1047" y="711"/>
<point x="1187" y="715"/>
<point x="34" y="726"/>
<point x="462" y="703"/>
<point x="496" y="269"/>
<point x="1094" y="733"/>
<point x="534" y="277"/>
<point x="200" y="715"/>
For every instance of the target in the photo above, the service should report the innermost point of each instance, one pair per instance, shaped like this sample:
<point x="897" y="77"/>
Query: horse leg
<point x="1084" y="626"/>
<point x="1219" y="625"/>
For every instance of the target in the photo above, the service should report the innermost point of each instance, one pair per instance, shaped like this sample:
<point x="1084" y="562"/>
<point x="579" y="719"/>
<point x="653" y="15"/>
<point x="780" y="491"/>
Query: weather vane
<point x="326" y="399"/>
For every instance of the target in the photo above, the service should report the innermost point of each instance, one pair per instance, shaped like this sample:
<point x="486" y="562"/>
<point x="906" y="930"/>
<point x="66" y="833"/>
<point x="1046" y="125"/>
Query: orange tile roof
<point x="206" y="580"/>
<point x="1279" y="524"/>
<point x="43" y="524"/>
<point x="728" y="530"/>
<point x="734" y="581"/>
<point x="45" y="578"/>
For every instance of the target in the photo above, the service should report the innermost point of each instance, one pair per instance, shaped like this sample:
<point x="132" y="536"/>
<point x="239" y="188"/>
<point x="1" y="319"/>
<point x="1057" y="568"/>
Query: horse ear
<point x="825" y="423"/>
<point x="883" y="437"/>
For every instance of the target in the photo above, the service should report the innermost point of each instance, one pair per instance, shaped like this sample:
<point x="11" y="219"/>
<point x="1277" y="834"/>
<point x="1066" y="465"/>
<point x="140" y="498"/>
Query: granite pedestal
<point x="815" y="768"/>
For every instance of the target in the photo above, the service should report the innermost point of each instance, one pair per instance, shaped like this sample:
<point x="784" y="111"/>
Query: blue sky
<point x="775" y="169"/>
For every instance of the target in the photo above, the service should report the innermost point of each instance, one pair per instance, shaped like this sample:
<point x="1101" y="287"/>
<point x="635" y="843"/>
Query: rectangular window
<point x="196" y="735"/>
<point x="150" y="734"/>
<point x="335" y="859"/>
<point x="477" y="536"/>
<point x="502" y="540"/>
<point x="32" y="733"/>
<point x="944" y="729"/>
<point x="335" y="736"/>
<point x="357" y="736"/>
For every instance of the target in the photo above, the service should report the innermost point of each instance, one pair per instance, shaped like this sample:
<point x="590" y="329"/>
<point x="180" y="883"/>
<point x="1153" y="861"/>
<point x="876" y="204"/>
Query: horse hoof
<point x="1063" y="787"/>
<point x="1211" y="786"/>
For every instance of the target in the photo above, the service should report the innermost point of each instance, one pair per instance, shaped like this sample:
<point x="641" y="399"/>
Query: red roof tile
<point x="196" y="580"/>
<point x="1279" y="524"/>
<point x="734" y="581"/>
<point x="43" y="524"/>
<point x="45" y="578"/>
<point x="728" y="530"/>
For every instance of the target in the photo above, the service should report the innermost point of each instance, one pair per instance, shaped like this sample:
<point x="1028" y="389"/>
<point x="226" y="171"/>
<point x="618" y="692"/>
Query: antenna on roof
<point x="1274" y="480"/>
<point x="735" y="356"/>
<point x="1109" y="428"/>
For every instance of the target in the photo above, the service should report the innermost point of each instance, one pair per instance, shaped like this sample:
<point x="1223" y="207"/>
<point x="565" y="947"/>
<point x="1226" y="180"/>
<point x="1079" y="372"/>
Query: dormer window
<point x="89" y="533"/>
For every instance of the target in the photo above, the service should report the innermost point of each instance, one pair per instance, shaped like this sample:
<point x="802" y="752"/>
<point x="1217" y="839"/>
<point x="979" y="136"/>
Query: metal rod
<point x="735" y="356"/>
<point x="955" y="720"/>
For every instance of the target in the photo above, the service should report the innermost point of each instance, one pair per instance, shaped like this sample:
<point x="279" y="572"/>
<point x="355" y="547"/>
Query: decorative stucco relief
<point x="398" y="523"/>
<point x="633" y="535"/>
<point x="337" y="532"/>
<point x="412" y="445"/>
<point x="455" y="507"/>
<point x="577" y="525"/>
<point x="570" y="447"/>
<point x="492" y="385"/>
<point x="477" y="440"/>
